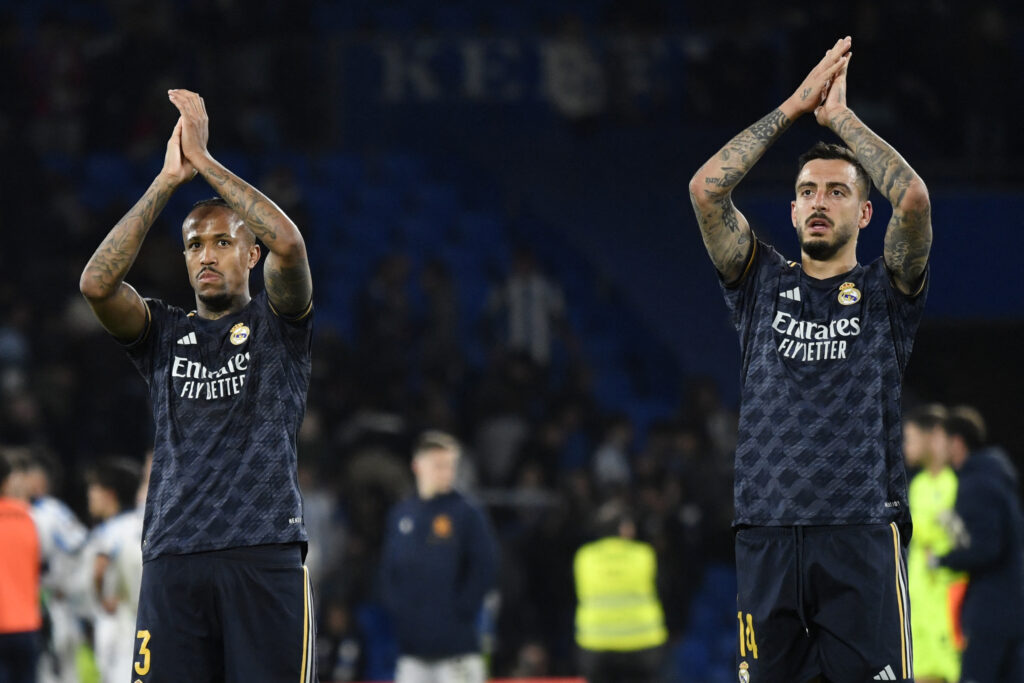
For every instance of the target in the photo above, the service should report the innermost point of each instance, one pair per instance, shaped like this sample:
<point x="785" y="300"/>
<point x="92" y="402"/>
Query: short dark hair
<point x="824" y="150"/>
<point x="211" y="201"/>
<point x="120" y="475"/>
<point x="928" y="416"/>
<point x="220" y="203"/>
<point x="968" y="424"/>
<point x="436" y="440"/>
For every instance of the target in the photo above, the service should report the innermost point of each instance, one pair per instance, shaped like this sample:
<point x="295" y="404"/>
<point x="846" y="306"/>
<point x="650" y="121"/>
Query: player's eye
<point x="193" y="245"/>
<point x="838" y="193"/>
<point x="223" y="243"/>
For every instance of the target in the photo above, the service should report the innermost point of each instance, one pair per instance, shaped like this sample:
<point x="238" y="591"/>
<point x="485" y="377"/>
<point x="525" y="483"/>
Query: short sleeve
<point x="905" y="312"/>
<point x="142" y="350"/>
<point x="740" y="295"/>
<point x="295" y="331"/>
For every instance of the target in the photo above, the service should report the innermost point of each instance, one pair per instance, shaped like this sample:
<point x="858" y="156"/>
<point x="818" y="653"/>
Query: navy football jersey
<point x="228" y="397"/>
<point x="822" y="369"/>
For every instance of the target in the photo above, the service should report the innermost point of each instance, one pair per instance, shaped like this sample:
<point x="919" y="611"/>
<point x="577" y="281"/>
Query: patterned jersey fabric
<point x="228" y="397"/>
<point x="822" y="368"/>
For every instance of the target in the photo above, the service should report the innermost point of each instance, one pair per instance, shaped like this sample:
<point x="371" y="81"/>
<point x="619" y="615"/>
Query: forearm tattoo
<point x="288" y="287"/>
<point x="908" y="237"/>
<point x="725" y="238"/>
<point x="114" y="257"/>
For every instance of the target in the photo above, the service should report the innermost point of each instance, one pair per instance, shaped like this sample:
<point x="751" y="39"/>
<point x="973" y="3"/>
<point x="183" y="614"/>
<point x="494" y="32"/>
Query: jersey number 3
<point x="142" y="668"/>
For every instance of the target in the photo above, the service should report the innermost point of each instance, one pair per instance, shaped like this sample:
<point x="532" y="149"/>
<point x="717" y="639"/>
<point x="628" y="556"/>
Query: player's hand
<point x="177" y="169"/>
<point x="835" y="99"/>
<point x="811" y="93"/>
<point x="195" y="128"/>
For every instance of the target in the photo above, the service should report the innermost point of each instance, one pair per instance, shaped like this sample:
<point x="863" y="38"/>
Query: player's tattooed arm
<point x="726" y="232"/>
<point x="116" y="303"/>
<point x="286" y="271"/>
<point x="908" y="237"/>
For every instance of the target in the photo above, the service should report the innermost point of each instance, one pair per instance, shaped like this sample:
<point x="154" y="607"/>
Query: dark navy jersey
<point x="228" y="397"/>
<point x="822" y="368"/>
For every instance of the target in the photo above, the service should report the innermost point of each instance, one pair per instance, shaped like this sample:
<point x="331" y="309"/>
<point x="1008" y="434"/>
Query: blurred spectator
<point x="441" y="359"/>
<point x="340" y="645"/>
<point x="990" y="548"/>
<point x="61" y="538"/>
<point x="931" y="495"/>
<point x="620" y="626"/>
<point x="527" y="310"/>
<point x="611" y="464"/>
<point x="384" y="324"/>
<point x="20" y="617"/>
<point x="439" y="561"/>
<point x="115" y="550"/>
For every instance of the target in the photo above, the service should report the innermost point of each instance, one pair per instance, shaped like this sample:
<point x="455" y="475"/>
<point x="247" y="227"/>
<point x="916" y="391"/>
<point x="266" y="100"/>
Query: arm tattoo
<point x="286" y="271"/>
<point x="248" y="202"/>
<point x="729" y="247"/>
<point x="908" y="237"/>
<point x="111" y="261"/>
<point x="289" y="289"/>
<point x="888" y="170"/>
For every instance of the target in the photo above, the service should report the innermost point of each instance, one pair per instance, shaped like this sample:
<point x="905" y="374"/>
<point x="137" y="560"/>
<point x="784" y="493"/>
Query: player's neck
<point x="237" y="303"/>
<point x="842" y="262"/>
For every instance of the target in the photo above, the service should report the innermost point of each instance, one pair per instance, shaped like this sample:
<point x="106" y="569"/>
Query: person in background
<point x="989" y="531"/>
<point x="439" y="562"/>
<point x="932" y="493"/>
<point x="620" y="625"/>
<point x="20" y="615"/>
<point x="61" y="537"/>
<point x="116" y="567"/>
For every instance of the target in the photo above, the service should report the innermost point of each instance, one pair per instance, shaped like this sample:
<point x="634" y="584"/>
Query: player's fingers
<point x="176" y="100"/>
<point x="836" y="52"/>
<point x="202" y="105"/>
<point x="834" y="69"/>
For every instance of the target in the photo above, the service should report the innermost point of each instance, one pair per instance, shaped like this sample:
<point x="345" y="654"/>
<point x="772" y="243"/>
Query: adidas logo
<point x="188" y="339"/>
<point x="886" y="674"/>
<point x="794" y="294"/>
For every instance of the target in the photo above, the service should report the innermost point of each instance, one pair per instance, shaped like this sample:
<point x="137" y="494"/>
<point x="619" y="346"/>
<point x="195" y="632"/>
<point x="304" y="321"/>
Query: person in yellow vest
<point x="620" y="625"/>
<point x="932" y="494"/>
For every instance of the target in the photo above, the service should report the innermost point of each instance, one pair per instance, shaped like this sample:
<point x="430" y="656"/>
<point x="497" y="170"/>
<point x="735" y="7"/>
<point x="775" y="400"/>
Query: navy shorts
<point x="822" y="601"/>
<point x="237" y="615"/>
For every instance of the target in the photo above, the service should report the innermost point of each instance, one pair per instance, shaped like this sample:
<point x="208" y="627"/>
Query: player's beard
<point x="822" y="250"/>
<point x="216" y="303"/>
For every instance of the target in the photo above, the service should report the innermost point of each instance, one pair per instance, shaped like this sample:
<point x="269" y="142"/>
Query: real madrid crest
<point x="744" y="673"/>
<point x="848" y="294"/>
<point x="239" y="333"/>
<point x="442" y="526"/>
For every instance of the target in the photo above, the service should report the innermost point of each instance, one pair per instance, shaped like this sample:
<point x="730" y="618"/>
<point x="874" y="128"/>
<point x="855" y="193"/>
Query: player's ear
<point x="866" y="211"/>
<point x="792" y="212"/>
<point x="254" y="256"/>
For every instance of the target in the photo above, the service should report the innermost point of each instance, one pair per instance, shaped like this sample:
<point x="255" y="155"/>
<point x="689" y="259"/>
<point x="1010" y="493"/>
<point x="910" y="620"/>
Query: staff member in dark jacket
<point x="438" y="563"/>
<point x="989" y="527"/>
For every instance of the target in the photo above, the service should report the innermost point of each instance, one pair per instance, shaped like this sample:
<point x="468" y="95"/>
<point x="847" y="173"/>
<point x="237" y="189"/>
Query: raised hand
<point x="835" y="99"/>
<point x="812" y="92"/>
<point x="177" y="168"/>
<point x="195" y="128"/>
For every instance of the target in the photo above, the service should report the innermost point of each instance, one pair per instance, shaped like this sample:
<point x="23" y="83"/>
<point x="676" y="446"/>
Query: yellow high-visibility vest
<point x="618" y="607"/>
